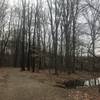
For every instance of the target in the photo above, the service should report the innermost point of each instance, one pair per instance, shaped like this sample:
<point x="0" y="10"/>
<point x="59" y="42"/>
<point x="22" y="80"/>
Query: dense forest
<point x="58" y="35"/>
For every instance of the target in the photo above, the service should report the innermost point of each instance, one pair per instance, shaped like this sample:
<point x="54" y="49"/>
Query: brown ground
<point x="16" y="85"/>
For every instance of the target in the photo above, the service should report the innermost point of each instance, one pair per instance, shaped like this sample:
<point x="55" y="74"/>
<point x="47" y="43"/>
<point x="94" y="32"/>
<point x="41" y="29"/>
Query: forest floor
<point x="16" y="85"/>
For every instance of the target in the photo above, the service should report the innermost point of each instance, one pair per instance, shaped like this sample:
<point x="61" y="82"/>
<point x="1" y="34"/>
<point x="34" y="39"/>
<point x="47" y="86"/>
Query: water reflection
<point x="92" y="82"/>
<point x="79" y="83"/>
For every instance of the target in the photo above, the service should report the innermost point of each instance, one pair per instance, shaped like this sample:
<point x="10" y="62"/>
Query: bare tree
<point x="93" y="30"/>
<point x="29" y="36"/>
<point x="23" y="35"/>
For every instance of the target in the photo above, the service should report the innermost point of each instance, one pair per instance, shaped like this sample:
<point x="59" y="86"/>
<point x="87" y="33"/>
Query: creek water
<point x="79" y="83"/>
<point x="92" y="82"/>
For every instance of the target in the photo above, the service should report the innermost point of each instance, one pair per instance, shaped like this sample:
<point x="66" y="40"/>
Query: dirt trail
<point x="16" y="85"/>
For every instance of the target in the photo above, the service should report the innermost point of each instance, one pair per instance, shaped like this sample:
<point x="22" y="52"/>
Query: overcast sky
<point x="11" y="2"/>
<point x="14" y="2"/>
